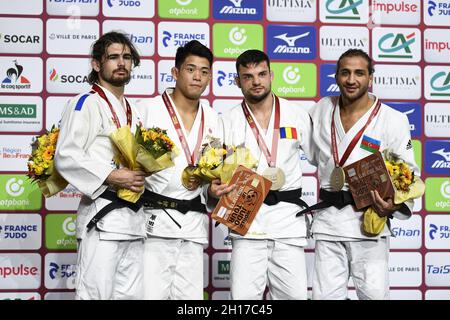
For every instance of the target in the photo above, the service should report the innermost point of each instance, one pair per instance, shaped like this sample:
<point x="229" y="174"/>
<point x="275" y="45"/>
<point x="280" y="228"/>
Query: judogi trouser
<point x="109" y="269"/>
<point x="366" y="261"/>
<point x="173" y="269"/>
<point x="256" y="263"/>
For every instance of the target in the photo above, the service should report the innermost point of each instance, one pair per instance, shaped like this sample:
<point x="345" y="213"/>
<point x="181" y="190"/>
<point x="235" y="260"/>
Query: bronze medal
<point x="189" y="180"/>
<point x="337" y="179"/>
<point x="276" y="175"/>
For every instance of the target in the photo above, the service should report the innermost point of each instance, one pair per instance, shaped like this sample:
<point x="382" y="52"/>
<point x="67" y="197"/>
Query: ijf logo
<point x="401" y="45"/>
<point x="437" y="82"/>
<point x="237" y="9"/>
<point x="14" y="78"/>
<point x="328" y="86"/>
<point x="343" y="11"/>
<point x="437" y="159"/>
<point x="414" y="113"/>
<point x="291" y="42"/>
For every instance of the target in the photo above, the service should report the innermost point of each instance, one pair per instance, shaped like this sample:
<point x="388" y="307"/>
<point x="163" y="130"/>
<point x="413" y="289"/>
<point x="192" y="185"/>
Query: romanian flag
<point x="370" y="144"/>
<point x="288" y="133"/>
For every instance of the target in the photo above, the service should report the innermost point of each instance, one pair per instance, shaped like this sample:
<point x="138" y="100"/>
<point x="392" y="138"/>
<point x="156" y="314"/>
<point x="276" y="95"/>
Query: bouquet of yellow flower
<point x="407" y="186"/>
<point x="41" y="168"/>
<point x="149" y="150"/>
<point x="219" y="161"/>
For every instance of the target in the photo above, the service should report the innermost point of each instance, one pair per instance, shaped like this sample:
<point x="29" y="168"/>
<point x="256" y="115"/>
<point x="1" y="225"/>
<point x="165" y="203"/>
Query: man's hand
<point x="127" y="179"/>
<point x="217" y="189"/>
<point x="383" y="208"/>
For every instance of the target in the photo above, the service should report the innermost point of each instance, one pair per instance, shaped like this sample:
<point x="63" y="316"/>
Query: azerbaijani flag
<point x="288" y="133"/>
<point x="370" y="144"/>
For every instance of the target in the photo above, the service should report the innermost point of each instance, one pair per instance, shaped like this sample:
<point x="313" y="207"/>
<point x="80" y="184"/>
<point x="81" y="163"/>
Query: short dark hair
<point x="356" y="53"/>
<point x="252" y="56"/>
<point x="101" y="45"/>
<point x="192" y="48"/>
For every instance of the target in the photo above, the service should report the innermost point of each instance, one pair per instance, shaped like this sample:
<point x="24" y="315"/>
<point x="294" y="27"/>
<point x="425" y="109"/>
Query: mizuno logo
<point x="291" y="40"/>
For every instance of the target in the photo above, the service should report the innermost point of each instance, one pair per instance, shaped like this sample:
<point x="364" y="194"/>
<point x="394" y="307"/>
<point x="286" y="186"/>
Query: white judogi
<point x="84" y="157"/>
<point x="165" y="269"/>
<point x="273" y="224"/>
<point x="391" y="128"/>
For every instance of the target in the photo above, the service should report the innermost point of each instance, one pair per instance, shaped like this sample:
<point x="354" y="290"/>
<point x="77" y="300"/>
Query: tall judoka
<point x="110" y="252"/>
<point x="343" y="127"/>
<point x="177" y="224"/>
<point x="271" y="253"/>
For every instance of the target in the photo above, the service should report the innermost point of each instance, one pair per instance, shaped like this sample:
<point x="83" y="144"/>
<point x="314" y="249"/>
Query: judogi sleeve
<point x="306" y="136"/>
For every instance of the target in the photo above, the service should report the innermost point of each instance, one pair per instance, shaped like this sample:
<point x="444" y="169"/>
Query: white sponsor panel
<point x="67" y="75"/>
<point x="172" y="35"/>
<point x="437" y="295"/>
<point x="60" y="270"/>
<point x="64" y="38"/>
<point x="221" y="295"/>
<point x="405" y="269"/>
<point x="54" y="107"/>
<point x="20" y="296"/>
<point x="396" y="44"/>
<point x="21" y="115"/>
<point x="338" y="11"/>
<point x="437" y="231"/>
<point x="224" y="73"/>
<point x="20" y="270"/>
<point x="397" y="81"/>
<point x="437" y="269"/>
<point x="437" y="82"/>
<point x="67" y="199"/>
<point x="334" y="41"/>
<point x="20" y="74"/>
<point x="141" y="33"/>
<point x="436" y="45"/>
<point x="20" y="231"/>
<point x="60" y="295"/>
<point x="405" y="12"/>
<point x="405" y="295"/>
<point x="436" y="12"/>
<point x="205" y="270"/>
<point x="220" y="237"/>
<point x="291" y="11"/>
<point x="73" y="8"/>
<point x="14" y="152"/>
<point x="224" y="105"/>
<point x="25" y="7"/>
<point x="20" y="35"/>
<point x="142" y="79"/>
<point x="408" y="233"/>
<point x="129" y="8"/>
<point x="165" y="78"/>
<point x="221" y="269"/>
<point x="437" y="119"/>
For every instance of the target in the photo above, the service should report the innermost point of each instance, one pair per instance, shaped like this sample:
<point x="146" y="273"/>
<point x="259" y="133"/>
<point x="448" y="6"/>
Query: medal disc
<point x="276" y="175"/>
<point x="189" y="180"/>
<point x="337" y="179"/>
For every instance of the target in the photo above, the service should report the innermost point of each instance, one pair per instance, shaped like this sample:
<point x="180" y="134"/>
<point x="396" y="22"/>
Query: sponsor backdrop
<point x="44" y="60"/>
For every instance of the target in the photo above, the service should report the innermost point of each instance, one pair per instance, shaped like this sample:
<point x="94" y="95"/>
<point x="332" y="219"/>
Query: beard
<point x="116" y="81"/>
<point x="252" y="98"/>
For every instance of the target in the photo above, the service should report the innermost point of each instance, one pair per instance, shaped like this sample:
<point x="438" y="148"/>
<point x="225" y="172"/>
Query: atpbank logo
<point x="445" y="189"/>
<point x="328" y="86"/>
<point x="291" y="42"/>
<point x="439" y="199"/>
<point x="414" y="113"/>
<point x="437" y="82"/>
<point x="296" y="80"/>
<point x="402" y="45"/>
<point x="237" y="10"/>
<point x="14" y="187"/>
<point x="186" y="9"/>
<point x="15" y="78"/>
<point x="344" y="11"/>
<point x="237" y="36"/>
<point x="291" y="75"/>
<point x="230" y="40"/>
<point x="18" y="193"/>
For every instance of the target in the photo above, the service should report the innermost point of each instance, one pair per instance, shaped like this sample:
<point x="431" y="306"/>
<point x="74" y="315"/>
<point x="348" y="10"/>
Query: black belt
<point x="154" y="200"/>
<point x="338" y="199"/>
<point x="291" y="196"/>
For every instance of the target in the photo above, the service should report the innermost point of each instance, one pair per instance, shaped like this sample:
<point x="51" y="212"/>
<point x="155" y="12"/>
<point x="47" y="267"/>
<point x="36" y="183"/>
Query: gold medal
<point x="337" y="179"/>
<point x="276" y="175"/>
<point x="189" y="180"/>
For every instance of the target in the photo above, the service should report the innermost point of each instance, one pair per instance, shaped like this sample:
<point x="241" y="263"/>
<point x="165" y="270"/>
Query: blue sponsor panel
<point x="238" y="9"/>
<point x="437" y="156"/>
<point x="414" y="113"/>
<point x="328" y="86"/>
<point x="291" y="42"/>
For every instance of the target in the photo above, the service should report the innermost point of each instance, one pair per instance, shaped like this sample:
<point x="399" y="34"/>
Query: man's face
<point x="353" y="78"/>
<point x="193" y="76"/>
<point x="116" y="64"/>
<point x="255" y="81"/>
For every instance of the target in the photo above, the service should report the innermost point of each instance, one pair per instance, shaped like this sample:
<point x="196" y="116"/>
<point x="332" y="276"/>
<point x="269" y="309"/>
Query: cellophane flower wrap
<point x="407" y="186"/>
<point x="149" y="150"/>
<point x="41" y="167"/>
<point x="219" y="161"/>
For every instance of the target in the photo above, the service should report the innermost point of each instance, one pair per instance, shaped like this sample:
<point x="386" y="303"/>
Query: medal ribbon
<point x="102" y="94"/>
<point x="191" y="158"/>
<point x="271" y="156"/>
<point x="355" y="139"/>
